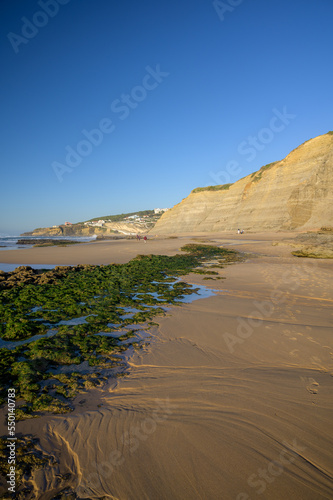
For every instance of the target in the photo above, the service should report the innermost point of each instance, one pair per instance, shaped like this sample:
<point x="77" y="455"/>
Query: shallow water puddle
<point x="11" y="267"/>
<point x="12" y="344"/>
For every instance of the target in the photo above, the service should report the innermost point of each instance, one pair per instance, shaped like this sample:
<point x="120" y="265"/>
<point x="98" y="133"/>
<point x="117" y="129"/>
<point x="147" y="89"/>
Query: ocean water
<point x="10" y="242"/>
<point x="8" y="268"/>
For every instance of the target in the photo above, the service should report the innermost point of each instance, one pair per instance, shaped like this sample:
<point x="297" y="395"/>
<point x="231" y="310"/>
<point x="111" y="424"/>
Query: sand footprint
<point x="311" y="385"/>
<point x="318" y="364"/>
<point x="312" y="340"/>
<point x="289" y="334"/>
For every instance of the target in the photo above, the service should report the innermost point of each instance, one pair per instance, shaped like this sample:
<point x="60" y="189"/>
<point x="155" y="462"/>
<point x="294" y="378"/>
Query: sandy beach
<point x="120" y="251"/>
<point x="231" y="397"/>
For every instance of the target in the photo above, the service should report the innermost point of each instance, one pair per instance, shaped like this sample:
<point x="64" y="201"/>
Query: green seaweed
<point x="320" y="254"/>
<point x="91" y="301"/>
<point x="29" y="457"/>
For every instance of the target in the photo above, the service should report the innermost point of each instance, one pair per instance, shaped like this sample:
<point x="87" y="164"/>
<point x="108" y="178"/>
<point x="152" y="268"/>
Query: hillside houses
<point x="160" y="210"/>
<point x="142" y="219"/>
<point x="95" y="223"/>
<point x="136" y="218"/>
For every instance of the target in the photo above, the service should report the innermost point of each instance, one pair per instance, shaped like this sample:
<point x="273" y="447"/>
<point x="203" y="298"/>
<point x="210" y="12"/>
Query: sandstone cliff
<point x="109" y="229"/>
<point x="294" y="193"/>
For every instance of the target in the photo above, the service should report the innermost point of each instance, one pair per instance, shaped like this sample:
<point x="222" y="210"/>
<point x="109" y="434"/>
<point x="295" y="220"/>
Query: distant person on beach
<point x="145" y="239"/>
<point x="238" y="231"/>
<point x="242" y="231"/>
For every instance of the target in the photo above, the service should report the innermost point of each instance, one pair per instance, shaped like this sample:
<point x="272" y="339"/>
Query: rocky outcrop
<point x="74" y="230"/>
<point x="294" y="193"/>
<point x="24" y="275"/>
<point x="318" y="244"/>
<point x="83" y="230"/>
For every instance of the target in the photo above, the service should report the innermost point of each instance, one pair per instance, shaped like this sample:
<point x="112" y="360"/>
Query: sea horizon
<point x="9" y="242"/>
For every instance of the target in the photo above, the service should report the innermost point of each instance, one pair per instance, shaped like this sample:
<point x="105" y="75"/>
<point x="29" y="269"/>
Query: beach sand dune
<point x="232" y="397"/>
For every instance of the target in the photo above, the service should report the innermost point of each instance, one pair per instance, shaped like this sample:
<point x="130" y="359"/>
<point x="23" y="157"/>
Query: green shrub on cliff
<point x="256" y="176"/>
<point x="220" y="187"/>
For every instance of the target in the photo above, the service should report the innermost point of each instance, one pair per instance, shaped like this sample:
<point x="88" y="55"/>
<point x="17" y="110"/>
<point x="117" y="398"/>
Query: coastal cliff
<point x="123" y="224"/>
<point x="83" y="230"/>
<point x="295" y="193"/>
<point x="74" y="230"/>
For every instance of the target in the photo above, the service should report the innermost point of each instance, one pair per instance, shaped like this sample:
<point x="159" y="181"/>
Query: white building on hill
<point x="160" y="210"/>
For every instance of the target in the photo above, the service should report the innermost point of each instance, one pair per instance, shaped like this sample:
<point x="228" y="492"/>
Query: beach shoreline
<point x="121" y="251"/>
<point x="230" y="398"/>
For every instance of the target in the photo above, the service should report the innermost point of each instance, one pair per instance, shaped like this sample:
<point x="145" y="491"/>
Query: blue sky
<point x="110" y="107"/>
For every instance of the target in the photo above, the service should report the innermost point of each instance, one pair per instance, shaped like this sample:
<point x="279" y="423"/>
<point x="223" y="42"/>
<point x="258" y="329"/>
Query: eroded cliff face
<point x="109" y="229"/>
<point x="294" y="193"/>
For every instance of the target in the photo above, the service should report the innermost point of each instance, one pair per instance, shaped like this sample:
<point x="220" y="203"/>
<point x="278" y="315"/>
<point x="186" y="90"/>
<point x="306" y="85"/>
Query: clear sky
<point x="110" y="107"/>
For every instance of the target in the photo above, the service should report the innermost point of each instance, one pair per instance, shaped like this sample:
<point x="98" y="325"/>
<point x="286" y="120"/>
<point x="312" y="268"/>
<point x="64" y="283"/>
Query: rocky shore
<point x="46" y="242"/>
<point x="24" y="275"/>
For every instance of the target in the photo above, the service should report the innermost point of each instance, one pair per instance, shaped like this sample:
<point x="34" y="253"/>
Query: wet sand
<point x="232" y="398"/>
<point x="121" y="251"/>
